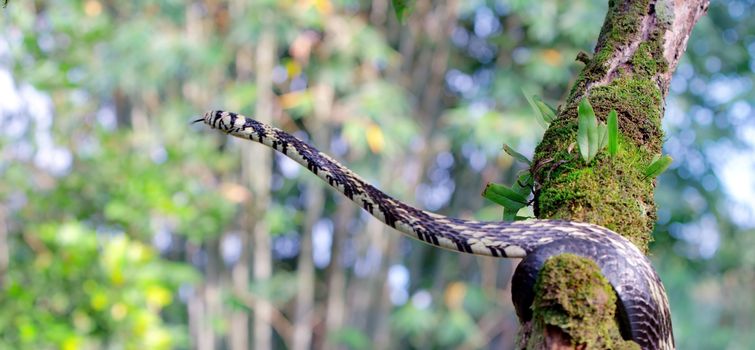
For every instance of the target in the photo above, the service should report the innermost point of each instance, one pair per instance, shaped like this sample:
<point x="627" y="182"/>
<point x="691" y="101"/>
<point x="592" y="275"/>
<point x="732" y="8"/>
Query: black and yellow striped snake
<point x="643" y="308"/>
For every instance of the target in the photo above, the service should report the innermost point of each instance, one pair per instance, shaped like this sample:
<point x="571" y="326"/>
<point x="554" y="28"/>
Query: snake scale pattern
<point x="643" y="309"/>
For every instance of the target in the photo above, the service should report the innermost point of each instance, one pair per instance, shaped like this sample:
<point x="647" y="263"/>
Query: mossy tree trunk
<point x="637" y="51"/>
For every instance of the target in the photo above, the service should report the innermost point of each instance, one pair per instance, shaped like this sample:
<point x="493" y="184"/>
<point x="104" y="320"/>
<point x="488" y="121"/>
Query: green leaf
<point x="518" y="156"/>
<point x="613" y="133"/>
<point x="510" y="199"/>
<point x="523" y="184"/>
<point x="510" y="214"/>
<point x="402" y="8"/>
<point x="503" y="195"/>
<point x="545" y="113"/>
<point x="539" y="118"/>
<point x="587" y="131"/>
<point x="658" y="166"/>
<point x="602" y="136"/>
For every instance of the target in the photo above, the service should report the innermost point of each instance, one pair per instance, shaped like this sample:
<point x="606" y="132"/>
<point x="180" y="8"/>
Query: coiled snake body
<point x="643" y="308"/>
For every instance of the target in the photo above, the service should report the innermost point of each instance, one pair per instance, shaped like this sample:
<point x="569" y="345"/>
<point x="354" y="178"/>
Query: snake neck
<point x="445" y="232"/>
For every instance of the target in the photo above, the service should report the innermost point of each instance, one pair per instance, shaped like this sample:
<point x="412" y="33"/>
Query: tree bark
<point x="335" y="308"/>
<point x="637" y="51"/>
<point x="305" y="295"/>
<point x="259" y="182"/>
<point x="238" y="332"/>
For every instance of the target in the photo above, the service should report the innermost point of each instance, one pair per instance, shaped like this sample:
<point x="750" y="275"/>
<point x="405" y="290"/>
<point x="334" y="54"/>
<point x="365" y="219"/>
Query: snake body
<point x="644" y="312"/>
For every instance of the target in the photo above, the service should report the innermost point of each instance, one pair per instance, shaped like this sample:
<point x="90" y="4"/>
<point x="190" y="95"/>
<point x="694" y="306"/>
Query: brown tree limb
<point x="639" y="47"/>
<point x="278" y="320"/>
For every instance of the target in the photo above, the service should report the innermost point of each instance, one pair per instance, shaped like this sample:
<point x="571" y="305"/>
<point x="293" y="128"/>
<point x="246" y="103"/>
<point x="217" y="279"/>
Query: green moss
<point x="639" y="104"/>
<point x="611" y="192"/>
<point x="622" y="25"/>
<point x="572" y="297"/>
<point x="643" y="61"/>
<point x="648" y="59"/>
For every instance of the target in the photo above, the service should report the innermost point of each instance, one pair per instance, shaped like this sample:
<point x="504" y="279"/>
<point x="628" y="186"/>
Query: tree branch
<point x="637" y="51"/>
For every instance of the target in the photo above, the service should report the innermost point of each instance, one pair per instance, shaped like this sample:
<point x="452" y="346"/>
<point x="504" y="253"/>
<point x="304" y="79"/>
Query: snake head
<point x="210" y="118"/>
<point x="226" y="121"/>
<point x="222" y="120"/>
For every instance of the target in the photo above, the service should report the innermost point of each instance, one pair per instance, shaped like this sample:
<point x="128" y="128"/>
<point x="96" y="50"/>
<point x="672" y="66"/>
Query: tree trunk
<point x="637" y="51"/>
<point x="305" y="293"/>
<point x="335" y="308"/>
<point x="256" y="170"/>
<point x="238" y="331"/>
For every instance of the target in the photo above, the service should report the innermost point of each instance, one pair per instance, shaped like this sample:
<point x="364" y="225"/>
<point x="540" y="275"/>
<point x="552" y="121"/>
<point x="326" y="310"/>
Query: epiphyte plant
<point x="594" y="135"/>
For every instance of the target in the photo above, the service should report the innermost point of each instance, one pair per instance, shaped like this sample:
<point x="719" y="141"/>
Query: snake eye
<point x="212" y="117"/>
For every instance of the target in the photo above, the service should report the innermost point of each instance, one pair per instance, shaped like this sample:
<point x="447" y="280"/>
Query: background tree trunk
<point x="637" y="51"/>
<point x="305" y="295"/>
<point x="257" y="171"/>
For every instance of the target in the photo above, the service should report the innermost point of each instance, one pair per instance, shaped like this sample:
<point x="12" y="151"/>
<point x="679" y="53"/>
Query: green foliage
<point x="594" y="135"/>
<point x="544" y="112"/>
<point x="402" y="8"/>
<point x="658" y="165"/>
<point x="506" y="197"/>
<point x="518" y="156"/>
<point x="613" y="133"/>
<point x="457" y="326"/>
<point x="446" y="326"/>
<point x="416" y="323"/>
<point x="74" y="288"/>
<point x="513" y="198"/>
<point x="81" y="278"/>
<point x="588" y="137"/>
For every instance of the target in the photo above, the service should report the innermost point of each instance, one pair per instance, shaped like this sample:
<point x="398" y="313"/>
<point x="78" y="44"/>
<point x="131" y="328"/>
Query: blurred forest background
<point x="122" y="226"/>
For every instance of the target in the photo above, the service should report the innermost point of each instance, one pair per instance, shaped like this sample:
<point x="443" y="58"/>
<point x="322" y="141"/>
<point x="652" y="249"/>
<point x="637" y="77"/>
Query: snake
<point x="643" y="310"/>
